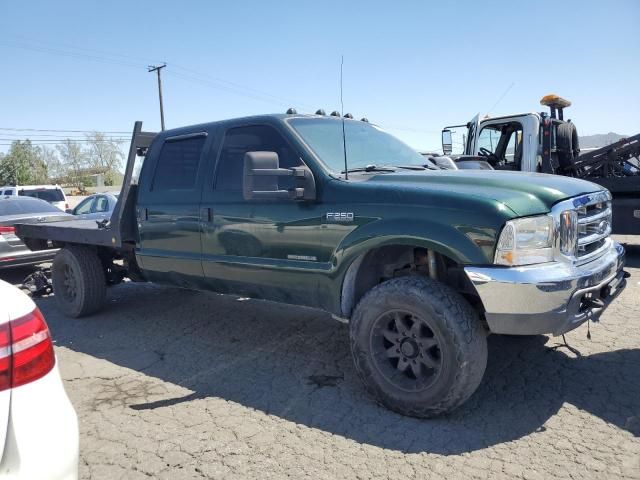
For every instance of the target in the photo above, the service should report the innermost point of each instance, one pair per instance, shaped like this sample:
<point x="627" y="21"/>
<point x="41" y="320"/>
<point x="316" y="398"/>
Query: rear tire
<point x="418" y="346"/>
<point x="79" y="283"/>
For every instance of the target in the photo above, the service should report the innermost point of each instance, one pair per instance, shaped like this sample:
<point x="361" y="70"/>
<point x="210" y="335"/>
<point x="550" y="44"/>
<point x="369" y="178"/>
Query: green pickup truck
<point x="423" y="263"/>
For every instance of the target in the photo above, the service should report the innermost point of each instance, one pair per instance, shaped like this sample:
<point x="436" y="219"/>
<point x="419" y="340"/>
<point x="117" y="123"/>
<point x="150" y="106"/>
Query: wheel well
<point x="392" y="261"/>
<point x="116" y="263"/>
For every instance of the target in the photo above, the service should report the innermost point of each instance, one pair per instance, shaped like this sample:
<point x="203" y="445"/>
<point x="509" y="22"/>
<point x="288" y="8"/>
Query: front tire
<point x="418" y="346"/>
<point x="79" y="283"/>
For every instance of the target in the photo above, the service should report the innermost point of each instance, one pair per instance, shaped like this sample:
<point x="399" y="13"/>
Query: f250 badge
<point x="339" y="217"/>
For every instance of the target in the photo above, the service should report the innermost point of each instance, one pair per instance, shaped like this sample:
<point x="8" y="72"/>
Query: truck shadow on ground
<point x="295" y="363"/>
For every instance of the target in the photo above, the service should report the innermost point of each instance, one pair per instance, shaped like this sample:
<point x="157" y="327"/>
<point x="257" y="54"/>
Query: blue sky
<point x="411" y="67"/>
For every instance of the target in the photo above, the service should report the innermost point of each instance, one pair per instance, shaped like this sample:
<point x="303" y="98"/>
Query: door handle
<point x="206" y="214"/>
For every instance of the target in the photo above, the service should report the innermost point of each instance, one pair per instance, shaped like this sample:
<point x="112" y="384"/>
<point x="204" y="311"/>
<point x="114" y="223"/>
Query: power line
<point x="46" y="136"/>
<point x="74" y="47"/>
<point x="63" y="53"/>
<point x="53" y="130"/>
<point x="102" y="53"/>
<point x="206" y="79"/>
<point x="501" y="97"/>
<point x="213" y="84"/>
<point x="238" y="86"/>
<point x="61" y="140"/>
<point x="191" y="75"/>
<point x="58" y="142"/>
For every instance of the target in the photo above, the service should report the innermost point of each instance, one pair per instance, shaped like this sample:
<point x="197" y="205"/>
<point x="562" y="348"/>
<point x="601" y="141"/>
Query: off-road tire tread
<point x="461" y="321"/>
<point x="93" y="281"/>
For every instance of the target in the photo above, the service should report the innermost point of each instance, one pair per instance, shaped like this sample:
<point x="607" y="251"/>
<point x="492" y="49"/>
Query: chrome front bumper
<point x="551" y="298"/>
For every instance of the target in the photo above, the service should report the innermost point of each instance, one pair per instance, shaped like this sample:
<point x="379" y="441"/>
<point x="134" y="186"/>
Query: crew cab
<point x="334" y="213"/>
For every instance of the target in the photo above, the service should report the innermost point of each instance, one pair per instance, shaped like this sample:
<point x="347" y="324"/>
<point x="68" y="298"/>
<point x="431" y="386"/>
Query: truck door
<point x="509" y="143"/>
<point x="470" y="147"/>
<point x="168" y="210"/>
<point x="272" y="249"/>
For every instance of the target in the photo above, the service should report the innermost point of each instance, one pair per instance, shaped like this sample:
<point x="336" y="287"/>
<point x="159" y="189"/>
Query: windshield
<point x="50" y="195"/>
<point x="366" y="144"/>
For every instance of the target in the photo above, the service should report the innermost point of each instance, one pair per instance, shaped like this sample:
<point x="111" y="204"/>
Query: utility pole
<point x="153" y="68"/>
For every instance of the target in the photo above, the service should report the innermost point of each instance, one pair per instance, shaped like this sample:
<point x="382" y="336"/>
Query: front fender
<point x="465" y="244"/>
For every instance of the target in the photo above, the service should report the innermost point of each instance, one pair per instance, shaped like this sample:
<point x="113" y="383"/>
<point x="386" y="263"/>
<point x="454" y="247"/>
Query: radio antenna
<point x="344" y="139"/>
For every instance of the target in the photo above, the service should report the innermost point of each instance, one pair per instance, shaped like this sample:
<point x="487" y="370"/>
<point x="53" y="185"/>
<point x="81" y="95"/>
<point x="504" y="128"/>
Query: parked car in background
<point x="13" y="251"/>
<point x="49" y="193"/>
<point x="98" y="206"/>
<point x="38" y="425"/>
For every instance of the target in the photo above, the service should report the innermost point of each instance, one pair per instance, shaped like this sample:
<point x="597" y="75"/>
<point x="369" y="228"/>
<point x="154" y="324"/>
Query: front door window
<point x="501" y="145"/>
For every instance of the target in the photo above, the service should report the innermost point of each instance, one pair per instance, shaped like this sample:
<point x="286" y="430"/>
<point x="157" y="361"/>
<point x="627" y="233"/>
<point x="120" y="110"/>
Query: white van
<point x="50" y="193"/>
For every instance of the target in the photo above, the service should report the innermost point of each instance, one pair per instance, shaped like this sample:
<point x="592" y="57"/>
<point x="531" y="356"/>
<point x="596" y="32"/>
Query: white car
<point x="49" y="193"/>
<point x="38" y="425"/>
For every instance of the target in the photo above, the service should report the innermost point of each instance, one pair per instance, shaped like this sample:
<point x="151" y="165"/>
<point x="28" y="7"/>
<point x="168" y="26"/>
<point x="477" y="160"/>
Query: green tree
<point x="23" y="165"/>
<point x="74" y="161"/>
<point x="55" y="169"/>
<point x="104" y="156"/>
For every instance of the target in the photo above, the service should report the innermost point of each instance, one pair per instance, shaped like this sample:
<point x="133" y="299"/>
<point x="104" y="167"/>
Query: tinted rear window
<point x="48" y="195"/>
<point x="26" y="205"/>
<point x="178" y="164"/>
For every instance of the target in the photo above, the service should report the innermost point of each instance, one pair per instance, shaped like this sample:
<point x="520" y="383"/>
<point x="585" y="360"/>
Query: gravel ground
<point x="177" y="384"/>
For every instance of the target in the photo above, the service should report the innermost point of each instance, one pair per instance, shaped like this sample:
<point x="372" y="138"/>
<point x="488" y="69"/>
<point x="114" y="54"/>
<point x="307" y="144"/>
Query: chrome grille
<point x="594" y="225"/>
<point x="582" y="227"/>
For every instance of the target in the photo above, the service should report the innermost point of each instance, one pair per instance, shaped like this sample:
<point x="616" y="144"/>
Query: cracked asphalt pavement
<point x="174" y="384"/>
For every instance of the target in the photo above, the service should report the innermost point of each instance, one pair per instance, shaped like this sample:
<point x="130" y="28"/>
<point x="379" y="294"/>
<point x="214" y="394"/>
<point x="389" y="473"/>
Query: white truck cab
<point x="546" y="143"/>
<point x="509" y="142"/>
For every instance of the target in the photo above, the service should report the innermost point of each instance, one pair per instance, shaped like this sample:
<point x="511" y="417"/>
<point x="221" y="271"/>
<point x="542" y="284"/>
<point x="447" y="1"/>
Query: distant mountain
<point x="599" y="139"/>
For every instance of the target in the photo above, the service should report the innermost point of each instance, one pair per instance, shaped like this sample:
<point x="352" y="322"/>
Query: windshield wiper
<point x="369" y="168"/>
<point x="411" y="167"/>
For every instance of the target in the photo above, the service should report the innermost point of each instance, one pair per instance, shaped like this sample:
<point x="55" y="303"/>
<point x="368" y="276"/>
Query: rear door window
<point x="178" y="163"/>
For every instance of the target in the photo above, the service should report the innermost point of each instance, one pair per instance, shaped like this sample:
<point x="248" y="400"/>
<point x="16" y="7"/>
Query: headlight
<point x="525" y="241"/>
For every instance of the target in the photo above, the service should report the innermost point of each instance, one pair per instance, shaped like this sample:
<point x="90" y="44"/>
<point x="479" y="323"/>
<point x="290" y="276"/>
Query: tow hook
<point x="595" y="302"/>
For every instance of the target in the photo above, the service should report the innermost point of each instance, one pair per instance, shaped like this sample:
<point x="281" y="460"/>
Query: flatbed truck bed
<point x="70" y="231"/>
<point x="120" y="231"/>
